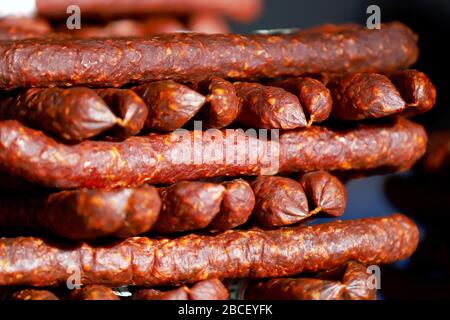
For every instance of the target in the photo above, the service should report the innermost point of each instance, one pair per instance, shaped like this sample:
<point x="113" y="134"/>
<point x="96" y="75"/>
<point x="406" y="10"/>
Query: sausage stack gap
<point x="99" y="160"/>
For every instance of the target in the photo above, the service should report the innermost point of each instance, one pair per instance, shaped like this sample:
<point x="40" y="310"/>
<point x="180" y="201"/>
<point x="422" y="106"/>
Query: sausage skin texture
<point x="280" y="201"/>
<point x="211" y="289"/>
<point x="250" y="254"/>
<point x="222" y="106"/>
<point x="237" y="205"/>
<point x="131" y="111"/>
<point x="93" y="292"/>
<point x="268" y="107"/>
<point x="416" y="89"/>
<point x="196" y="57"/>
<point x="71" y="114"/>
<point x="314" y="97"/>
<point x="352" y="285"/>
<point x="168" y="158"/>
<point x="85" y="213"/>
<point x="170" y="104"/>
<point x="33" y="294"/>
<point x="188" y="205"/>
<point x="325" y="191"/>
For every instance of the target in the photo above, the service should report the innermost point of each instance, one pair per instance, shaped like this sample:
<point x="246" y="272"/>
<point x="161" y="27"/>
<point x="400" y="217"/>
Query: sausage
<point x="158" y="25"/>
<point x="416" y="89"/>
<point x="72" y="114"/>
<point x="437" y="157"/>
<point x="195" y="57"/>
<point x="352" y="285"/>
<point x="181" y="293"/>
<point x="364" y="95"/>
<point x="243" y="11"/>
<point x="325" y="191"/>
<point x="250" y="254"/>
<point x="237" y="205"/>
<point x="222" y="104"/>
<point x="211" y="289"/>
<point x="268" y="107"/>
<point x="33" y="294"/>
<point x="15" y="28"/>
<point x="279" y="201"/>
<point x="168" y="158"/>
<point x="188" y="205"/>
<point x="84" y="213"/>
<point x="93" y="292"/>
<point x="314" y="96"/>
<point x="207" y="23"/>
<point x="131" y="111"/>
<point x="370" y="95"/>
<point x="170" y="104"/>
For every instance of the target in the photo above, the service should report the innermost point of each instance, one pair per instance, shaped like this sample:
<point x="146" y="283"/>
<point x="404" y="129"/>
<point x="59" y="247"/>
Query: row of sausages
<point x="232" y="254"/>
<point x="80" y="113"/>
<point x="45" y="62"/>
<point x="184" y="206"/>
<point x="350" y="282"/>
<point x="166" y="158"/>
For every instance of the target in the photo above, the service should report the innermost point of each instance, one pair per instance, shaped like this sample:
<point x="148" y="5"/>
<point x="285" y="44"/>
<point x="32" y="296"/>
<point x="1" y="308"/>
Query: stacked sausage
<point x="110" y="181"/>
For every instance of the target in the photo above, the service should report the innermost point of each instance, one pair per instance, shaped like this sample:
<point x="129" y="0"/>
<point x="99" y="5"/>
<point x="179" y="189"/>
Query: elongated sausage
<point x="84" y="214"/>
<point x="195" y="57"/>
<point x="93" y="292"/>
<point x="268" y="107"/>
<point x="233" y="254"/>
<point x="34" y="294"/>
<point x="172" y="157"/>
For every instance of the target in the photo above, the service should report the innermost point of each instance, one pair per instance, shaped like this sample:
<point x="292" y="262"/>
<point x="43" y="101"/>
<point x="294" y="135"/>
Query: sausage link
<point x="325" y="191"/>
<point x="167" y="158"/>
<point x="84" y="214"/>
<point x="314" y="96"/>
<point x="250" y="254"/>
<point x="195" y="57"/>
<point x="131" y="111"/>
<point x="352" y="285"/>
<point x="222" y="106"/>
<point x="188" y="205"/>
<point x="237" y="205"/>
<point x="416" y="89"/>
<point x="437" y="157"/>
<point x="93" y="292"/>
<point x="268" y="107"/>
<point x="170" y="104"/>
<point x="181" y="293"/>
<point x="211" y="289"/>
<point x="72" y="114"/>
<point x="33" y="294"/>
<point x="207" y="23"/>
<point x="279" y="201"/>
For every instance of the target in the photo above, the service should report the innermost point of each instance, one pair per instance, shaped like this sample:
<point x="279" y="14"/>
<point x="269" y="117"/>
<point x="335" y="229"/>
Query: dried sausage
<point x="188" y="205"/>
<point x="131" y="111"/>
<point x="181" y="293"/>
<point x="93" y="292"/>
<point x="170" y="104"/>
<point x="85" y="213"/>
<point x="237" y="205"/>
<point x="325" y="191"/>
<point x="416" y="89"/>
<point x="280" y="201"/>
<point x="207" y="23"/>
<point x="232" y="254"/>
<point x="314" y="96"/>
<point x="172" y="157"/>
<point x="195" y="57"/>
<point x="268" y="107"/>
<point x="34" y="294"/>
<point x="72" y="114"/>
<point x="352" y="284"/>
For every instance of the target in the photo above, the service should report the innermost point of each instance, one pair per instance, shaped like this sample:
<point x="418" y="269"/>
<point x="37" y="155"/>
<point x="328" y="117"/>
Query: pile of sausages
<point x="104" y="186"/>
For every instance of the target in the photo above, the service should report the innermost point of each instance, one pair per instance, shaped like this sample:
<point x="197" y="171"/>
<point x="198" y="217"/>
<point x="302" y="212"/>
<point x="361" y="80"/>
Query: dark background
<point x="426" y="275"/>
